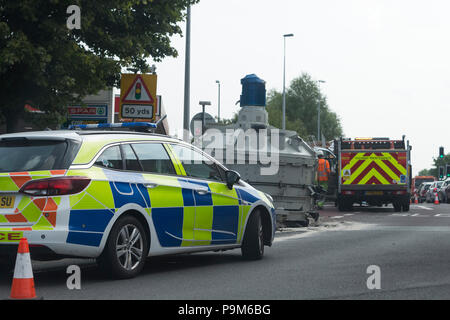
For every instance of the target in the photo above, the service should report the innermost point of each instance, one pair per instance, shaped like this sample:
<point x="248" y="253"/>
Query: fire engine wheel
<point x="345" y="205"/>
<point x="398" y="206"/>
<point x="405" y="206"/>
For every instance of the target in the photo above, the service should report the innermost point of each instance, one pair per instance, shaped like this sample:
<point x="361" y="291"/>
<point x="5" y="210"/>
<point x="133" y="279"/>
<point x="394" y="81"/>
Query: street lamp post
<point x="218" y="101"/>
<point x="318" y="112"/>
<point x="284" y="80"/>
<point x="187" y="75"/>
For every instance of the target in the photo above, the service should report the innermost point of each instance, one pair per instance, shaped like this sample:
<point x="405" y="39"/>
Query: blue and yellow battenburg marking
<point x="185" y="212"/>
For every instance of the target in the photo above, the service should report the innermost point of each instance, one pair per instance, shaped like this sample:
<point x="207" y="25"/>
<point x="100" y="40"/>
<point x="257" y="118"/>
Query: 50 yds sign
<point x="137" y="111"/>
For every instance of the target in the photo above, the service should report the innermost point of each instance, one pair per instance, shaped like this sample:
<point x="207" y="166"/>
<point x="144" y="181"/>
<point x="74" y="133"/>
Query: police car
<point x="121" y="196"/>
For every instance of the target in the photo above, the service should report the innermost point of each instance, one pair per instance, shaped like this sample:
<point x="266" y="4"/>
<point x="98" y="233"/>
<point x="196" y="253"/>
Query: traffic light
<point x="441" y="152"/>
<point x="441" y="172"/>
<point x="447" y="170"/>
<point x="137" y="91"/>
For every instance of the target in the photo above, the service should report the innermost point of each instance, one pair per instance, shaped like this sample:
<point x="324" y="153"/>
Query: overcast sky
<point x="386" y="63"/>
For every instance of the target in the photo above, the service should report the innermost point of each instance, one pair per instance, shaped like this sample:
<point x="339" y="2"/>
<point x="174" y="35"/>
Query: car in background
<point x="417" y="181"/>
<point x="431" y="192"/>
<point x="422" y="191"/>
<point x="444" y="192"/>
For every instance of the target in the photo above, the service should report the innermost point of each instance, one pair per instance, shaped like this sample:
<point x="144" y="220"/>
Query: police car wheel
<point x="126" y="249"/>
<point x="253" y="242"/>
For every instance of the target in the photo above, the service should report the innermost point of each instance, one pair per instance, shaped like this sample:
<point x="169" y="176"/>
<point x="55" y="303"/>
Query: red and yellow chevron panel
<point x="380" y="168"/>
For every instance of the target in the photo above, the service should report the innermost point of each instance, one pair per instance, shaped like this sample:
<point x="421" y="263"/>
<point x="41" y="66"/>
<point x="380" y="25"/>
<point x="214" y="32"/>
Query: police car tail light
<point x="55" y="186"/>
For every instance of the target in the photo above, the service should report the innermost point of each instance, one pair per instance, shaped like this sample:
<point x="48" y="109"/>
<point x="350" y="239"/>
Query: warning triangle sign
<point x="138" y="93"/>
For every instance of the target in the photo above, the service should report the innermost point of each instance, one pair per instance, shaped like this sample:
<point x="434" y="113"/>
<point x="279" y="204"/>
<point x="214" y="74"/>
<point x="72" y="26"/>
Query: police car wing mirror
<point x="232" y="177"/>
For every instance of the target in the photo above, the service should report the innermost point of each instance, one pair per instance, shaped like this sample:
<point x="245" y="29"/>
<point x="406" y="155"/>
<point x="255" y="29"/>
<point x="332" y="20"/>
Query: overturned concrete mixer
<point x="277" y="162"/>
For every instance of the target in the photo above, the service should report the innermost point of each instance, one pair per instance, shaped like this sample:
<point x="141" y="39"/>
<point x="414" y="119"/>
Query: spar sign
<point x="138" y="96"/>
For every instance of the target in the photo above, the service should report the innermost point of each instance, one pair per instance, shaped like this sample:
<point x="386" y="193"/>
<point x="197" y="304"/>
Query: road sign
<point x="138" y="96"/>
<point x="137" y="111"/>
<point x="196" y="123"/>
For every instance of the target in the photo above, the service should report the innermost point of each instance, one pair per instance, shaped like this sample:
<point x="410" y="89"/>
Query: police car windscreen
<point x="22" y="154"/>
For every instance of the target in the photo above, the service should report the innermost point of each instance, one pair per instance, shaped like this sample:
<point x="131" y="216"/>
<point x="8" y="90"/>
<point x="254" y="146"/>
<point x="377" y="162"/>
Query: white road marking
<point x="334" y="226"/>
<point x="443" y="215"/>
<point x="425" y="208"/>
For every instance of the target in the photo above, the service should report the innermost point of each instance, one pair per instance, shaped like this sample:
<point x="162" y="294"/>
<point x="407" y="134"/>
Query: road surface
<point x="334" y="260"/>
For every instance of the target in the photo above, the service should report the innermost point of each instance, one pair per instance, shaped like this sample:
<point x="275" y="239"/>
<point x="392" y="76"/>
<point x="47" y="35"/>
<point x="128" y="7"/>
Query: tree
<point x="44" y="63"/>
<point x="302" y="99"/>
<point x="226" y="122"/>
<point x="438" y="162"/>
<point x="425" y="172"/>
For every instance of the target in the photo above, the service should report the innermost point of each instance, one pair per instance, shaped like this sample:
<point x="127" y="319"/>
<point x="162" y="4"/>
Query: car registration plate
<point x="374" y="193"/>
<point x="7" y="202"/>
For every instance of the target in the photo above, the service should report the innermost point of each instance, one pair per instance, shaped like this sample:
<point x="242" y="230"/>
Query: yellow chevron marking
<point x="367" y="161"/>
<point x="377" y="175"/>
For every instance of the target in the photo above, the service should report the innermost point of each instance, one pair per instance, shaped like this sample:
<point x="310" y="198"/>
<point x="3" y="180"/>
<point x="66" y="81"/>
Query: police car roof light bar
<point x="128" y="125"/>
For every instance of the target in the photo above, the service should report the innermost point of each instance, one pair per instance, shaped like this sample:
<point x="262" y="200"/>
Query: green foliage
<point x="301" y="109"/>
<point x="425" y="172"/>
<point x="227" y="122"/>
<point x="47" y="120"/>
<point x="44" y="63"/>
<point x="438" y="162"/>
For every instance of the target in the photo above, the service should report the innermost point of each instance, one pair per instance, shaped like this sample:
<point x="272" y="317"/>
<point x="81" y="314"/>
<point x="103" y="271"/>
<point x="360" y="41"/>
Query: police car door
<point x="216" y="218"/>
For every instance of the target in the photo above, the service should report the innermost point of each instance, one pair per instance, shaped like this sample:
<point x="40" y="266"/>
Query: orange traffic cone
<point x="416" y="201"/>
<point x="23" y="281"/>
<point x="436" y="199"/>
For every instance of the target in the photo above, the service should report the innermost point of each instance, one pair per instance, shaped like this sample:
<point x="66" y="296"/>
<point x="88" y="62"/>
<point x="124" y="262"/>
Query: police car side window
<point x="196" y="165"/>
<point x="111" y="158"/>
<point x="154" y="158"/>
<point x="131" y="161"/>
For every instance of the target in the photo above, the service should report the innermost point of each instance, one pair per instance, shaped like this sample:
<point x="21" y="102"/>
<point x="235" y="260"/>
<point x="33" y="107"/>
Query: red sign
<point x="91" y="111"/>
<point x="82" y="111"/>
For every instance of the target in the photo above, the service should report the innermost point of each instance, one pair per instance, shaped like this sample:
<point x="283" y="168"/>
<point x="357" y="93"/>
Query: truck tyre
<point x="341" y="205"/>
<point x="405" y="206"/>
<point x="253" y="242"/>
<point x="126" y="249"/>
<point x="397" y="206"/>
<point x="349" y="206"/>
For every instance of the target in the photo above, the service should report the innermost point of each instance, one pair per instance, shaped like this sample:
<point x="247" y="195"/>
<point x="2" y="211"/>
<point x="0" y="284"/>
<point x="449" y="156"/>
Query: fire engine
<point x="376" y="171"/>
